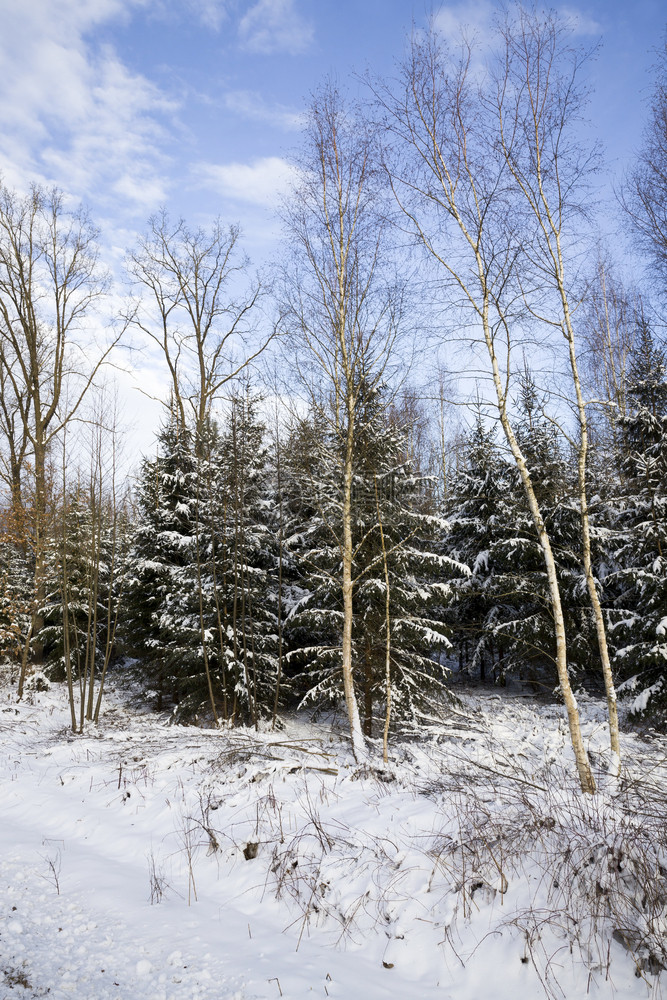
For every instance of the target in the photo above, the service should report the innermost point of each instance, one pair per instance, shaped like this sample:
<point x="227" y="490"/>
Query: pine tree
<point x="555" y="488"/>
<point x="502" y="612"/>
<point x="201" y="592"/>
<point x="639" y="579"/>
<point x="162" y="550"/>
<point x="387" y="492"/>
<point x="16" y="578"/>
<point x="479" y="511"/>
<point x="243" y="555"/>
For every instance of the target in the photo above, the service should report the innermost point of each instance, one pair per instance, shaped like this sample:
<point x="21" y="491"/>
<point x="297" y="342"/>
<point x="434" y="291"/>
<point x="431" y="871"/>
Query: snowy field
<point x="142" y="860"/>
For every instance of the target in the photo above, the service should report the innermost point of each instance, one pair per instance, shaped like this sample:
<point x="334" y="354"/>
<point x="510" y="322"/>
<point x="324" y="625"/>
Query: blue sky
<point x="130" y="104"/>
<point x="195" y="104"/>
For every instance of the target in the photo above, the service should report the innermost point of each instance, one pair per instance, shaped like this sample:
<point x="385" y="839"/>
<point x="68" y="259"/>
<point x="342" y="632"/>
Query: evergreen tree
<point x="502" y="612"/>
<point x="639" y="549"/>
<point x="201" y="594"/>
<point x="554" y="480"/>
<point x="387" y="492"/>
<point x="242" y="562"/>
<point x="16" y="583"/>
<point x="162" y="550"/>
<point x="479" y="510"/>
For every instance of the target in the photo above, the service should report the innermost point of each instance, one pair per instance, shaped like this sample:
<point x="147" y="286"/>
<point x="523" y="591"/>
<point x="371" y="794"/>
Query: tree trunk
<point x="358" y="742"/>
<point x="586" y="537"/>
<point x="368" y="690"/>
<point x="40" y="547"/>
<point x="586" y="778"/>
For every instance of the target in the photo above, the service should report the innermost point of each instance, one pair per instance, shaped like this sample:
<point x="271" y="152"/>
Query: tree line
<point x="357" y="544"/>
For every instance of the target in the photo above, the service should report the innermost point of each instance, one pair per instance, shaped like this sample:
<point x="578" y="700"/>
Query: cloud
<point x="74" y="114"/>
<point x="474" y="19"/>
<point x="210" y="13"/>
<point x="274" y="26"/>
<point x="250" y="104"/>
<point x="580" y="23"/>
<point x="259" y="183"/>
<point x="476" y="22"/>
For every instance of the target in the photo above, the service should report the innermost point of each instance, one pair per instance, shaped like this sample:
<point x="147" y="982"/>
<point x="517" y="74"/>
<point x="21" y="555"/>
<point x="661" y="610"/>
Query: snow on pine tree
<point x="161" y="553"/>
<point x="502" y="612"/>
<point x="386" y="491"/>
<point x="201" y="598"/>
<point x="639" y="553"/>
<point x="242" y="566"/>
<point x="16" y="583"/>
<point x="480" y="512"/>
<point x="305" y="470"/>
<point x="554" y="480"/>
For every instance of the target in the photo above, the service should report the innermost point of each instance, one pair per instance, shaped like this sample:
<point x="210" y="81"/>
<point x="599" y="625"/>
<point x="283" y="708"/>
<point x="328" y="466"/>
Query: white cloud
<point x="474" y="19"/>
<point x="274" y="26"/>
<point x="580" y="23"/>
<point x="211" y="13"/>
<point x="70" y="113"/>
<point x="259" y="183"/>
<point x="250" y="104"/>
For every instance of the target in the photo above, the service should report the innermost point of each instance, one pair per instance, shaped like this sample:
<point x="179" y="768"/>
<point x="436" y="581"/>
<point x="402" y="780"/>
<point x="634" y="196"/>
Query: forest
<point x="329" y="518"/>
<point x="410" y="482"/>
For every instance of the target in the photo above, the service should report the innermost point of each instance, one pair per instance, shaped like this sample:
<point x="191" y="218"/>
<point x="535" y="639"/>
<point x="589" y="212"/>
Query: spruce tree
<point x="161" y="553"/>
<point x="479" y="511"/>
<point x="554" y="477"/>
<point x="243" y="550"/>
<point x="639" y="549"/>
<point x="501" y="613"/>
<point x="386" y="492"/>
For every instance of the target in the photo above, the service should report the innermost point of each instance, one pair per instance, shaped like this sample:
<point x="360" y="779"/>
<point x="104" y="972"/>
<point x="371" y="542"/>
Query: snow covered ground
<point x="142" y="860"/>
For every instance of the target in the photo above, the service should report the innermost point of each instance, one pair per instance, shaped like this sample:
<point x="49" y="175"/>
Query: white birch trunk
<point x="586" y="778"/>
<point x="591" y="585"/>
<point x="358" y="742"/>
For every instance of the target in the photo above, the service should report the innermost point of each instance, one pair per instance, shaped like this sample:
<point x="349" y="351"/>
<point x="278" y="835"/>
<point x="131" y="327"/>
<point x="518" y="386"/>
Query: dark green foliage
<point x="16" y="589"/>
<point x="638" y="549"/>
<point x="241" y="549"/>
<point x="501" y="615"/>
<point x="202" y="571"/>
<point x="386" y="491"/>
<point x="163" y="548"/>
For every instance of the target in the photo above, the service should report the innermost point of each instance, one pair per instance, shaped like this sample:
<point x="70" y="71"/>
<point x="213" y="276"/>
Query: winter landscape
<point x="333" y="583"/>
<point x="148" y="860"/>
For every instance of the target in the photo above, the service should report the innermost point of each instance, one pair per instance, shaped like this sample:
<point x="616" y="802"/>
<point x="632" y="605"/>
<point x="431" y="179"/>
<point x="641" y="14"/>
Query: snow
<point x="141" y="860"/>
<point x="641" y="701"/>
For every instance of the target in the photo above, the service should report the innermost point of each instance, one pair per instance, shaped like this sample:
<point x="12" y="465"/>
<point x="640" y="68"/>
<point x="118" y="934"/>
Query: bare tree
<point x="13" y="430"/>
<point x="538" y="104"/>
<point x="342" y="309"/>
<point x="453" y="184"/>
<point x="607" y="330"/>
<point x="645" y="194"/>
<point x="199" y="310"/>
<point x="93" y="533"/>
<point x="50" y="280"/>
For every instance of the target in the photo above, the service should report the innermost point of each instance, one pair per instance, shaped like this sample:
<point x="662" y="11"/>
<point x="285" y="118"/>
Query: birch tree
<point x="342" y="309"/>
<point x="538" y="104"/>
<point x="453" y="186"/>
<point x="645" y="195"/>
